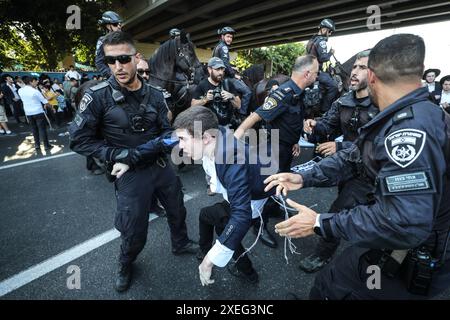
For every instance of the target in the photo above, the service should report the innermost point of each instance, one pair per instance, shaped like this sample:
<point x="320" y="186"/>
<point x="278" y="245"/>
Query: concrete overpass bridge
<point x="267" y="22"/>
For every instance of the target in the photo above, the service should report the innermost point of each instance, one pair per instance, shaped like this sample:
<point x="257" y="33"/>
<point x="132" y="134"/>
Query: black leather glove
<point x="128" y="156"/>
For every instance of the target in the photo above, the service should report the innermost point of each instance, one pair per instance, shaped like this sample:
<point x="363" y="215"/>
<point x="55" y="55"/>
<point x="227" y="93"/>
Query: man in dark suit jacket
<point x="434" y="87"/>
<point x="11" y="97"/>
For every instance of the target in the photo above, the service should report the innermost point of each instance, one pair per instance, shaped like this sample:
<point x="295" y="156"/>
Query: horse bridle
<point x="189" y="80"/>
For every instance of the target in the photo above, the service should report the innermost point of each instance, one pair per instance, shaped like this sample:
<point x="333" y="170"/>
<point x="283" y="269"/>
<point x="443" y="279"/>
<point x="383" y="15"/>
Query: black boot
<point x="124" y="276"/>
<point x="322" y="255"/>
<point x="266" y="237"/>
<point x="313" y="263"/>
<point x="250" y="276"/>
<point x="189" y="248"/>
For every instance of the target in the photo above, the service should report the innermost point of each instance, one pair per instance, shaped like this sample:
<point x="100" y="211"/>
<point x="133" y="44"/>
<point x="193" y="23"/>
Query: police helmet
<point x="110" y="17"/>
<point x="328" y="23"/>
<point x="174" y="32"/>
<point x="226" y="30"/>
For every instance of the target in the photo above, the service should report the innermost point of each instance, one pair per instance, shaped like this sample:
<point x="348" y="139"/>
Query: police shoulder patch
<point x="269" y="103"/>
<point x="404" y="146"/>
<point x="85" y="101"/>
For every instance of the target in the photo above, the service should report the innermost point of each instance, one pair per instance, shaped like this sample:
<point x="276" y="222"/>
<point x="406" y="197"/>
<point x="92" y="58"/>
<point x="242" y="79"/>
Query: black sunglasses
<point x="142" y="71"/>
<point x="115" y="24"/>
<point x="123" y="59"/>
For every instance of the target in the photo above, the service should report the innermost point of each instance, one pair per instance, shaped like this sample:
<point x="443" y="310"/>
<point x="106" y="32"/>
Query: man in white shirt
<point x="32" y="104"/>
<point x="445" y="96"/>
<point x="72" y="73"/>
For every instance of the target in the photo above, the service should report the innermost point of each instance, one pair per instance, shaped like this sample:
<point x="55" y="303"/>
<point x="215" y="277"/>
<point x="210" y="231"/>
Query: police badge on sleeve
<point x="269" y="103"/>
<point x="85" y="102"/>
<point x="404" y="146"/>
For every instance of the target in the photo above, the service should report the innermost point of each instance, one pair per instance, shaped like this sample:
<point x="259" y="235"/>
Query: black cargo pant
<point x="134" y="193"/>
<point x="331" y="90"/>
<point x="217" y="217"/>
<point x="351" y="194"/>
<point x="346" y="278"/>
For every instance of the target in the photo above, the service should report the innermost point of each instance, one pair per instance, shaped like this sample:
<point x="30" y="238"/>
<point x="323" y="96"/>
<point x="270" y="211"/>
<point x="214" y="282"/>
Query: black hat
<point x="436" y="71"/>
<point x="443" y="79"/>
<point x="216" y="63"/>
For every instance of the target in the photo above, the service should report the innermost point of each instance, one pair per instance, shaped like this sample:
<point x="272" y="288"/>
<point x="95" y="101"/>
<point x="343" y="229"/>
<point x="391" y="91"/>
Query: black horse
<point x="176" y="68"/>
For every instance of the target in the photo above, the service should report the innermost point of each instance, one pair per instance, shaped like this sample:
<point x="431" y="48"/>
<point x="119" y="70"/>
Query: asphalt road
<point x="56" y="216"/>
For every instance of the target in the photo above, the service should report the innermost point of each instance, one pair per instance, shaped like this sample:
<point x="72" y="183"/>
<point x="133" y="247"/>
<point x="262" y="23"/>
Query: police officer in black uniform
<point x="114" y="118"/>
<point x="317" y="46"/>
<point x="111" y="22"/>
<point x="345" y="117"/>
<point x="405" y="153"/>
<point x="222" y="51"/>
<point x="283" y="111"/>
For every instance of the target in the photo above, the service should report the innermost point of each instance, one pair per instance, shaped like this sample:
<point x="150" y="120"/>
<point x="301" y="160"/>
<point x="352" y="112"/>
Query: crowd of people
<point x="391" y="165"/>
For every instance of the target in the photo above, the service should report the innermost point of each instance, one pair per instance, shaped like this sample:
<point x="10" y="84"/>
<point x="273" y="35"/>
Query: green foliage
<point x="33" y="33"/>
<point x="282" y="57"/>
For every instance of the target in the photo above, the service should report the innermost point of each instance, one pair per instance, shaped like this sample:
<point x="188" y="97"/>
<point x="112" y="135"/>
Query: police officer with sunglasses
<point x="114" y="118"/>
<point x="111" y="22"/>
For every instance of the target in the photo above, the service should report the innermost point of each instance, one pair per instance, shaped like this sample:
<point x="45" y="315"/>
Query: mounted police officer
<point x="222" y="51"/>
<point x="400" y="237"/>
<point x="283" y="110"/>
<point x="346" y="115"/>
<point x="111" y="22"/>
<point x="115" y="117"/>
<point x="317" y="46"/>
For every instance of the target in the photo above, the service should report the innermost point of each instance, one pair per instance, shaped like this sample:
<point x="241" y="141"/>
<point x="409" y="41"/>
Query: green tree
<point x="34" y="33"/>
<point x="282" y="56"/>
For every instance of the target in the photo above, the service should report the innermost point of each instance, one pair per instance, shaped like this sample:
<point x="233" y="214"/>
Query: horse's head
<point x="186" y="61"/>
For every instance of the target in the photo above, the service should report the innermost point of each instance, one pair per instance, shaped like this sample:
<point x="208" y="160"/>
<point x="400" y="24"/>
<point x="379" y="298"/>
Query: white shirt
<point x="73" y="74"/>
<point x="431" y="87"/>
<point x="219" y="254"/>
<point x="445" y="97"/>
<point x="32" y="100"/>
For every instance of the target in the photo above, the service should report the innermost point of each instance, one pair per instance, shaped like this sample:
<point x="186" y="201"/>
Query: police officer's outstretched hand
<point x="205" y="271"/>
<point x="296" y="150"/>
<point x="309" y="125"/>
<point x="284" y="182"/>
<point x="299" y="226"/>
<point x="327" y="148"/>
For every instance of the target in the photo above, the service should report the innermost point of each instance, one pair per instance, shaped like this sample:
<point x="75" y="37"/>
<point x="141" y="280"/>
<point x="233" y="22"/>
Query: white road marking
<point x="22" y="278"/>
<point x="36" y="160"/>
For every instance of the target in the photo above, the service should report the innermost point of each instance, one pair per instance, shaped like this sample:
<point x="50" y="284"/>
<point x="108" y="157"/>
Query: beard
<point x="216" y="78"/>
<point x="131" y="78"/>
<point x="360" y="85"/>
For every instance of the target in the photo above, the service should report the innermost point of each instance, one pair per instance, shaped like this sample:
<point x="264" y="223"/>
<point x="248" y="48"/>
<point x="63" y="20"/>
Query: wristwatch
<point x="316" y="227"/>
